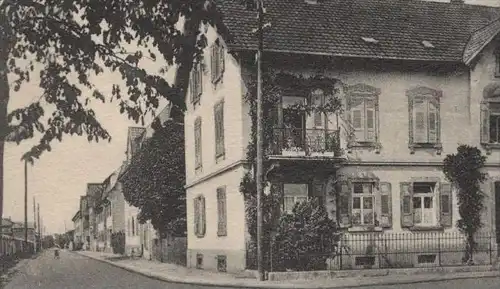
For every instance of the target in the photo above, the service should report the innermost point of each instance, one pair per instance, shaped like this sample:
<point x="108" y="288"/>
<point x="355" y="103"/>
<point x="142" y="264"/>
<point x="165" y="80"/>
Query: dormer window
<point x="427" y="44"/>
<point x="369" y="40"/>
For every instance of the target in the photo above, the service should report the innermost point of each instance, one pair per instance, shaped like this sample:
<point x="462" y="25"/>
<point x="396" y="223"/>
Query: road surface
<point x="78" y="272"/>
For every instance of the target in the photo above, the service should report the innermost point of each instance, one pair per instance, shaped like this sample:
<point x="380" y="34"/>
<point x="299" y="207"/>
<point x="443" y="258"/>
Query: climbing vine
<point x="463" y="170"/>
<point x="274" y="85"/>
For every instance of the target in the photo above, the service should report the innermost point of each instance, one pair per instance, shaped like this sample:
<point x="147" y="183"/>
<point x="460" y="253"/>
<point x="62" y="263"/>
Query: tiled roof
<point x="336" y="27"/>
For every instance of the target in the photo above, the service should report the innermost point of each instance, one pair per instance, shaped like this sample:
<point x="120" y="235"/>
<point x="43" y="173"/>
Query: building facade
<point x="409" y="98"/>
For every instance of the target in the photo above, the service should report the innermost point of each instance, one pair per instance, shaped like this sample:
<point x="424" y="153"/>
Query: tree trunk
<point x="185" y="65"/>
<point x="4" y="100"/>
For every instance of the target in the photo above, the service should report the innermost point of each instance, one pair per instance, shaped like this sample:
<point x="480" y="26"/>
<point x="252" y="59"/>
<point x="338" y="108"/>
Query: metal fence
<point x="384" y="250"/>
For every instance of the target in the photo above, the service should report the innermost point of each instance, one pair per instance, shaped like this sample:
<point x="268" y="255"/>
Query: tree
<point x="155" y="181"/>
<point x="81" y="38"/>
<point x="463" y="170"/>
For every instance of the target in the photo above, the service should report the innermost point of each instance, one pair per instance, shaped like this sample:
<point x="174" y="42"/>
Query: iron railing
<point x="306" y="141"/>
<point x="386" y="250"/>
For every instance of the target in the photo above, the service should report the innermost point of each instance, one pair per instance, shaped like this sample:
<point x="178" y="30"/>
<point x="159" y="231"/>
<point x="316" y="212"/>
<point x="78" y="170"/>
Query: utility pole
<point x="26" y="204"/>
<point x="259" y="177"/>
<point x="39" y="227"/>
<point x="34" y="225"/>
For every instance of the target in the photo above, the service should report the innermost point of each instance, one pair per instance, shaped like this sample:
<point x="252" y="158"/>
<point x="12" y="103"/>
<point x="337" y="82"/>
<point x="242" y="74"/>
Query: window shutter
<point x="433" y="123"/>
<point x="196" y="216"/>
<point x="203" y="222"/>
<point x="357" y="123"/>
<point x="192" y="86"/>
<point x="213" y="62"/>
<point x="318" y="192"/>
<point x="219" y="129"/>
<point x="445" y="200"/>
<point x="406" y="191"/>
<point x="344" y="204"/>
<point x="222" y="212"/>
<point x="420" y="123"/>
<point x="485" y="123"/>
<point x="370" y="120"/>
<point x="197" y="143"/>
<point x="317" y="103"/>
<point x="221" y="60"/>
<point x="385" y="205"/>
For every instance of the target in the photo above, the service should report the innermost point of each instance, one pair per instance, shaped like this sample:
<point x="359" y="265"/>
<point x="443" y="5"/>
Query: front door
<point x="497" y="210"/>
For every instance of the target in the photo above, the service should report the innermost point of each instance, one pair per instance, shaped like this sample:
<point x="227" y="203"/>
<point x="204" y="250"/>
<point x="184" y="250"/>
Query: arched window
<point x="490" y="116"/>
<point x="424" y="118"/>
<point x="362" y="110"/>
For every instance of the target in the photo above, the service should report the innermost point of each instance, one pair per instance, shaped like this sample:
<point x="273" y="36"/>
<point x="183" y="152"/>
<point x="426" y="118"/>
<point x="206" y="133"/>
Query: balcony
<point x="305" y="142"/>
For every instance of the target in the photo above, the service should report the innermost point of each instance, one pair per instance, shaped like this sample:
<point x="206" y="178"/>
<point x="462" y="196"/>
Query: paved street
<point x="74" y="271"/>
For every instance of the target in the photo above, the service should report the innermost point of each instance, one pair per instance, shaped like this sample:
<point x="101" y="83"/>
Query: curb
<point x="281" y="285"/>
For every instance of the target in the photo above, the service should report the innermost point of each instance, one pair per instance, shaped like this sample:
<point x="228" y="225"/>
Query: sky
<point x="59" y="177"/>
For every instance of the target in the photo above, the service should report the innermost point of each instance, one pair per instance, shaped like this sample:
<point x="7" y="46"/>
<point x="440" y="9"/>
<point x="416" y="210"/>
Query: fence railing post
<point x="439" y="250"/>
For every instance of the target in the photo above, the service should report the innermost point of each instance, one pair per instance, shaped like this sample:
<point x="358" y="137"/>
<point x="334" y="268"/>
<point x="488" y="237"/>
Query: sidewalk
<point x="178" y="274"/>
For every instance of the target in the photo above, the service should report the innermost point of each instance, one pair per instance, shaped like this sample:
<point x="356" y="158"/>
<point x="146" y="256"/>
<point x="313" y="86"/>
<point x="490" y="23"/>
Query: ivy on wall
<point x="155" y="180"/>
<point x="274" y="86"/>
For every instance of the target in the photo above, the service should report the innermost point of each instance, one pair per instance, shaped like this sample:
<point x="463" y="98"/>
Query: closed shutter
<point x="203" y="225"/>
<point x="197" y="143"/>
<point x="357" y="116"/>
<point x="192" y="86"/>
<point x="221" y="62"/>
<point x="219" y="129"/>
<point x="318" y="192"/>
<point x="221" y="212"/>
<point x="406" y="191"/>
<point x="433" y="123"/>
<point x="196" y="216"/>
<point x="344" y="204"/>
<point x="445" y="200"/>
<point x="485" y="123"/>
<point x="419" y="121"/>
<point x="213" y="62"/>
<point x="317" y="103"/>
<point x="385" y="205"/>
<point x="370" y="120"/>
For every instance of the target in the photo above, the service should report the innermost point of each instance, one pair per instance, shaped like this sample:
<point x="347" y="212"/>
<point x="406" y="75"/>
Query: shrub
<point x="304" y="239"/>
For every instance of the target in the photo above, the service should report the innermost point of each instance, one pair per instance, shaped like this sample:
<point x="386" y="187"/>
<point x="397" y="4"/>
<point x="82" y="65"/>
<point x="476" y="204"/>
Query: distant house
<point x="6" y="226"/>
<point x="18" y="231"/>
<point x="78" y="229"/>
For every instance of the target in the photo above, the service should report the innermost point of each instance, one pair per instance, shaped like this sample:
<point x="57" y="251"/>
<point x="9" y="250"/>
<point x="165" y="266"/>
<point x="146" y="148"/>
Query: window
<point x="365" y="202"/>
<point x="424" y="118"/>
<point x="217" y="61"/>
<point x="490" y="122"/>
<point x="199" y="216"/>
<point x="133" y="226"/>
<point x="424" y="212"/>
<point x="219" y="129"/>
<point x="221" y="212"/>
<point x="293" y="194"/>
<point x="221" y="263"/>
<point x="199" y="261"/>
<point x="362" y="113"/>
<point x="196" y="83"/>
<point x="197" y="143"/>
<point x="362" y="204"/>
<point x="426" y="204"/>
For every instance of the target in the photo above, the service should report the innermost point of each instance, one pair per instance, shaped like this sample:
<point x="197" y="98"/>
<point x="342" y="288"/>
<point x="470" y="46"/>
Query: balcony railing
<point x="311" y="141"/>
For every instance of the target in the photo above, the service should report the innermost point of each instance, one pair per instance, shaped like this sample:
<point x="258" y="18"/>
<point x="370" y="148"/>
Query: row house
<point x="78" y="238"/>
<point x="415" y="79"/>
